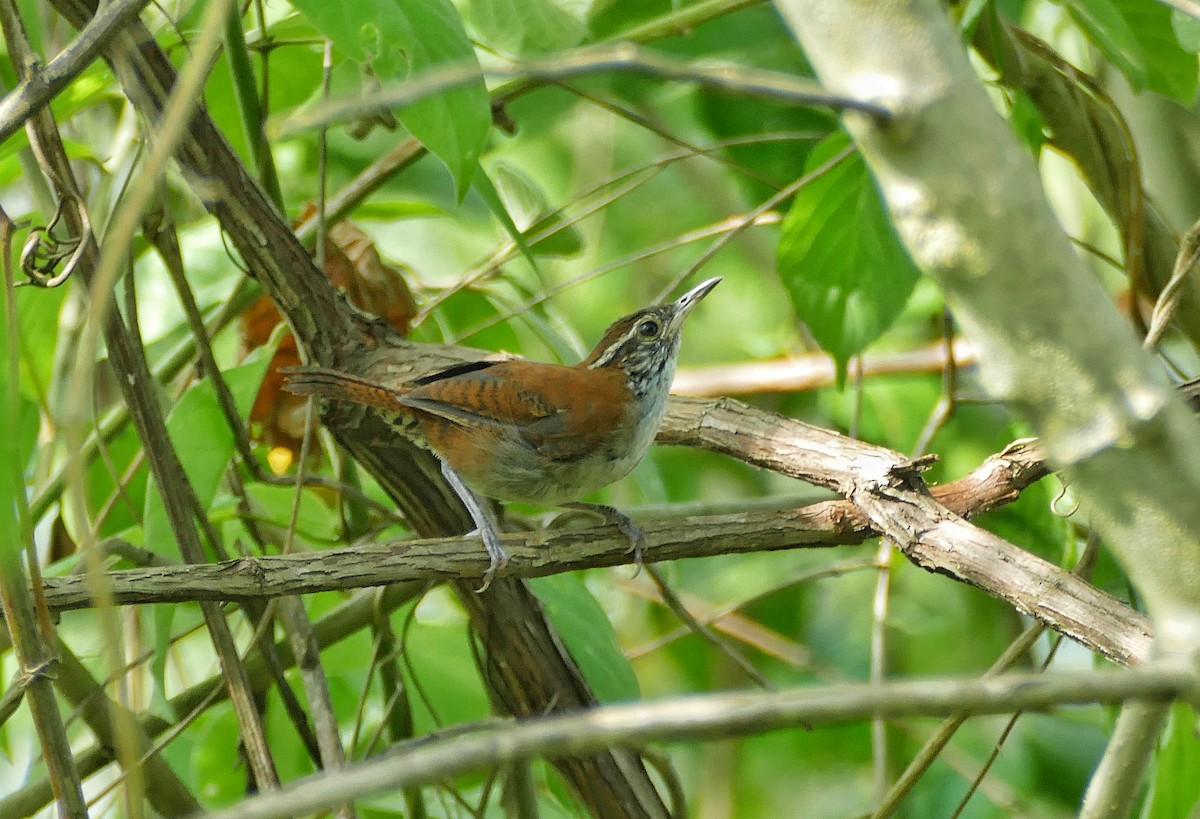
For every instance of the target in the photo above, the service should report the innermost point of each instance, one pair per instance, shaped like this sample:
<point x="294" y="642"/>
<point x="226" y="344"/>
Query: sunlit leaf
<point x="1175" y="783"/>
<point x="525" y="26"/>
<point x="1110" y="32"/>
<point x="1170" y="69"/>
<point x="203" y="441"/>
<point x="402" y="39"/>
<point x="840" y="258"/>
<point x="529" y="207"/>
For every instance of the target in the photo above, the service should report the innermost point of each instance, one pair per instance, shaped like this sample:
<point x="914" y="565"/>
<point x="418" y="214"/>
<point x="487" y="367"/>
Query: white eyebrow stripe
<point x="610" y="352"/>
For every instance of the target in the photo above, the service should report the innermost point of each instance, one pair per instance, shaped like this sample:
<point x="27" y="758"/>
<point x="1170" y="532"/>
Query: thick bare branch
<point x="943" y="543"/>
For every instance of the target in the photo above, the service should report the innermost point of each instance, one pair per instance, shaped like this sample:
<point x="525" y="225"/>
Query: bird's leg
<point x="610" y="514"/>
<point x="484" y="523"/>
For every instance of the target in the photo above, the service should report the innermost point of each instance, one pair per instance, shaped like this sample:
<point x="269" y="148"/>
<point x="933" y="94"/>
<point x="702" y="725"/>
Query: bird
<point x="531" y="432"/>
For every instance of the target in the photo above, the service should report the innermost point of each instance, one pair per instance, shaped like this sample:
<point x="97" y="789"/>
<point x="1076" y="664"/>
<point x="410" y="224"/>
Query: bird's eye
<point x="648" y="329"/>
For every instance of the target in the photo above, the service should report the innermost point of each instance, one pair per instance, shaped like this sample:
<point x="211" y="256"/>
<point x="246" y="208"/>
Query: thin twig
<point x="1114" y="787"/>
<point x="752" y="217"/>
<point x="342" y="622"/>
<point x="40" y="86"/>
<point x="589" y="60"/>
<point x="1172" y="291"/>
<point x="672" y="602"/>
<point x="934" y="746"/>
<point x="34" y="655"/>
<point x="800" y="658"/>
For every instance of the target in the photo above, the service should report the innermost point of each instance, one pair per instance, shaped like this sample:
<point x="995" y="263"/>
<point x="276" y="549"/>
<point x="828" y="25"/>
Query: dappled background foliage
<point x="540" y="211"/>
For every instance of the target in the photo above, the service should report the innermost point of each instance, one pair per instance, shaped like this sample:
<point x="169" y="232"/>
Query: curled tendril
<point x="43" y="252"/>
<point x="1055" y="505"/>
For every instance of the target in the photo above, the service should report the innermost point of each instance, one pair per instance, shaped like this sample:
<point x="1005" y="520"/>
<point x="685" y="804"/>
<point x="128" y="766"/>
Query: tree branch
<point x="42" y="83"/>
<point x="527" y="674"/>
<point x="946" y="544"/>
<point x="811" y="371"/>
<point x="711" y="716"/>
<point x="623" y="56"/>
<point x="1051" y="343"/>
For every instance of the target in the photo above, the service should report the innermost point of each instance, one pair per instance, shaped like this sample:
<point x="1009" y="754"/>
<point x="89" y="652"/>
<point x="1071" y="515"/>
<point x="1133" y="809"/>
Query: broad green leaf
<point x="483" y="185"/>
<point x="529" y="209"/>
<point x="101" y="477"/>
<point x="465" y="311"/>
<point x="588" y="635"/>
<point x="1026" y="121"/>
<point x="203" y="441"/>
<point x="215" y="733"/>
<point x="1108" y="30"/>
<point x="969" y="16"/>
<point x="315" y="519"/>
<point x="37" y="316"/>
<point x="525" y="26"/>
<point x="840" y="259"/>
<point x="440" y="655"/>
<point x="1187" y="30"/>
<point x="294" y="73"/>
<point x="1175" y="787"/>
<point x="1170" y="69"/>
<point x="161" y="617"/>
<point x="19" y="141"/>
<point x="400" y="39"/>
<point x="13" y="455"/>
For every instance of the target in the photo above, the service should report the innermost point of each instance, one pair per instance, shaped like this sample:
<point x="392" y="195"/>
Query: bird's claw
<point x="637" y="541"/>
<point x="497" y="557"/>
<point x="637" y="544"/>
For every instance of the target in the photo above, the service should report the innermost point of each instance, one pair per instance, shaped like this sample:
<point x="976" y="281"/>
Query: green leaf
<point x="1170" y="69"/>
<point x="1107" y="29"/>
<point x="462" y="314"/>
<point x="37" y="317"/>
<point x="90" y="88"/>
<point x="525" y="26"/>
<point x="315" y="518"/>
<point x="13" y="456"/>
<point x="294" y="73"/>
<point x="531" y="213"/>
<point x="393" y="210"/>
<point x="404" y="38"/>
<point x="484" y="187"/>
<point x="1187" y="30"/>
<point x="588" y="635"/>
<point x="840" y="259"/>
<point x="162" y="617"/>
<point x="1175" y="788"/>
<point x="203" y="440"/>
<point x="1026" y="121"/>
<point x="101" y="477"/>
<point x="969" y="17"/>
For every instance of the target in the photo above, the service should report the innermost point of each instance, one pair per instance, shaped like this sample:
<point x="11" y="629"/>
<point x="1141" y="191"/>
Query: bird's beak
<point x="685" y="303"/>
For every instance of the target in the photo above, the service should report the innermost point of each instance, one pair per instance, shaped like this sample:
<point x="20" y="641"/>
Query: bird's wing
<point x="528" y="396"/>
<point x="484" y="393"/>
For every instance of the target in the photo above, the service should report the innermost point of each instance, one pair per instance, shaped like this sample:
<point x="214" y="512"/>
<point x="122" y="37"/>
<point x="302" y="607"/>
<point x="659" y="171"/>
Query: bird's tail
<point x="341" y="386"/>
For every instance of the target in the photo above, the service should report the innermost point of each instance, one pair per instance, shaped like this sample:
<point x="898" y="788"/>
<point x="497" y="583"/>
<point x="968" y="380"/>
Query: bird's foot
<point x="610" y="514"/>
<point x="485" y="525"/>
<point x="497" y="557"/>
